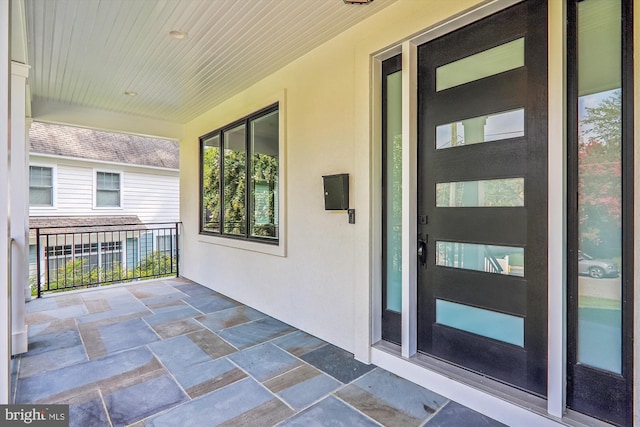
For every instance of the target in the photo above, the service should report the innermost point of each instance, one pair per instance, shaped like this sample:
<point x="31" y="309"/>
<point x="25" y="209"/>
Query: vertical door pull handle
<point x="422" y="252"/>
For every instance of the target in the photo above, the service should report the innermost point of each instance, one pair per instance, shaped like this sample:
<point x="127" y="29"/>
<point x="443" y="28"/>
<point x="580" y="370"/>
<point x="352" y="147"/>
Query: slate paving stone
<point x="65" y="380"/>
<point x="211" y="343"/>
<point x="329" y="412"/>
<point x="338" y="363"/>
<point x="51" y="326"/>
<point x="53" y="341"/>
<point x="163" y="300"/>
<point x="229" y="317"/>
<point x="51" y="360"/>
<point x="178" y="353"/>
<point x="56" y="314"/>
<point x="376" y="408"/>
<point x="256" y="332"/>
<point x="215" y="408"/>
<point x="115" y="315"/>
<point x="307" y="390"/>
<point x="89" y="413"/>
<point x="177" y="327"/>
<point x="208" y="376"/>
<point x="455" y="415"/>
<point x="265" y="361"/>
<point x="299" y="343"/>
<point x="124" y="335"/>
<point x="210" y="303"/>
<point x="41" y="304"/>
<point x="142" y="400"/>
<point x="169" y="313"/>
<point x="399" y="393"/>
<point x="193" y="289"/>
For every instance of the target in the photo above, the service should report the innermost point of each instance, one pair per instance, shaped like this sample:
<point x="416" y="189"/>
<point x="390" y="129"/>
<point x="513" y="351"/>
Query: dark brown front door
<point x="482" y="197"/>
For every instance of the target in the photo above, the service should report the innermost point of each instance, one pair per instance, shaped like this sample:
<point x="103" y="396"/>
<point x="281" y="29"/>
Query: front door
<point x="482" y="197"/>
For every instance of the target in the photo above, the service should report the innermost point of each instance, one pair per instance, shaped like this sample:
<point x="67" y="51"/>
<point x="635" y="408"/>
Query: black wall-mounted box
<point x="336" y="192"/>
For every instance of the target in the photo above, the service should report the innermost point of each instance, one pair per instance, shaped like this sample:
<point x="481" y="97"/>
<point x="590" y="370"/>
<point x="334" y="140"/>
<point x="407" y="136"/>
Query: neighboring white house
<point x="80" y="178"/>
<point x="78" y="172"/>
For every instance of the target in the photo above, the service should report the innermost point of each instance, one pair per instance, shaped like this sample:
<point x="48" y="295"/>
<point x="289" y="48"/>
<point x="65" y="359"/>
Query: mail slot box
<point x="336" y="192"/>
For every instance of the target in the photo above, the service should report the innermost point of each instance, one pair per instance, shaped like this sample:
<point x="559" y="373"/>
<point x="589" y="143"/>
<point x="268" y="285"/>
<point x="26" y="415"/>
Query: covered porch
<point x="173" y="352"/>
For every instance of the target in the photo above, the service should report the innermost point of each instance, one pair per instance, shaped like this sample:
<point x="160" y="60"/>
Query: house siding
<point x="151" y="194"/>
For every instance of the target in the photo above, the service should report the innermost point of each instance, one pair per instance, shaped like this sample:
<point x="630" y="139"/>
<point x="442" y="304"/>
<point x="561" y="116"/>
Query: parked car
<point x="596" y="268"/>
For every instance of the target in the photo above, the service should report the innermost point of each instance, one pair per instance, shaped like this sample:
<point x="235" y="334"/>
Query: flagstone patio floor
<point x="175" y="353"/>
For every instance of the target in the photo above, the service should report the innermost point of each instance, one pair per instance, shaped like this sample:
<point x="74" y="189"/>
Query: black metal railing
<point x="65" y="258"/>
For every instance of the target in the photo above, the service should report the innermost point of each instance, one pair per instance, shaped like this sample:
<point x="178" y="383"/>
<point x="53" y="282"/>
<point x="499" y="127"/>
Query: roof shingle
<point x="67" y="141"/>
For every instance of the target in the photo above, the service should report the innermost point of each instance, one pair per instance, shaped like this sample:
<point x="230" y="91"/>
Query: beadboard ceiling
<point x="88" y="53"/>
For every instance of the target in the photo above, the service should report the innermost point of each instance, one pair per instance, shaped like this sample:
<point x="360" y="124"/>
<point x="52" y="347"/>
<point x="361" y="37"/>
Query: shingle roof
<point x="84" y="224"/>
<point x="46" y="138"/>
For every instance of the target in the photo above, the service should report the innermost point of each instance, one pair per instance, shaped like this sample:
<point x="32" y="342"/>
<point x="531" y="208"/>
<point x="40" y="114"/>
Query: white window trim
<point x="95" y="189"/>
<point x="54" y="186"/>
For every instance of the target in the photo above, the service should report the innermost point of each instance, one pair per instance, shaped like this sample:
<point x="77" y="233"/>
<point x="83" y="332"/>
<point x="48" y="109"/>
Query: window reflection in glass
<point x="235" y="212"/>
<point x="264" y="176"/>
<point x="486" y="193"/>
<point x="492" y="127"/>
<point x="211" y="184"/>
<point x="599" y="185"/>
<point x="488" y="258"/>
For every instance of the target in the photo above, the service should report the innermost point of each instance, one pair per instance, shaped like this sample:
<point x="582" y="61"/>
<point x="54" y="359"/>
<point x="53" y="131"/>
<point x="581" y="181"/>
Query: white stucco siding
<point x="151" y="194"/>
<point x="323" y="282"/>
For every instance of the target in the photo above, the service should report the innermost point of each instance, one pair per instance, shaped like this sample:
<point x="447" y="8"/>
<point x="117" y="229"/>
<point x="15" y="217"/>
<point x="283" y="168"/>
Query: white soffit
<point x="88" y="53"/>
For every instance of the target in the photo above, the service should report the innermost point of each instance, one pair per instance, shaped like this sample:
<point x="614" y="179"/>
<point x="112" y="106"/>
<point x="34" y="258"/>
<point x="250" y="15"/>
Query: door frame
<point x="462" y="386"/>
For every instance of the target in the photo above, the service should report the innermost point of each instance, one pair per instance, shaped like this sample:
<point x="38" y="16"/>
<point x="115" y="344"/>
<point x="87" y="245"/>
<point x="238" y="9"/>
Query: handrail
<point x="140" y="224"/>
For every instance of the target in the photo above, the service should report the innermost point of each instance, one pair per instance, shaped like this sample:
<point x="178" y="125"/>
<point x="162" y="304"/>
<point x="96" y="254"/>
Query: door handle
<point x="422" y="252"/>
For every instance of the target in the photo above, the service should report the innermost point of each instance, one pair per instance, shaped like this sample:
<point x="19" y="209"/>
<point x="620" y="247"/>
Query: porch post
<point x="5" y="241"/>
<point x="19" y="207"/>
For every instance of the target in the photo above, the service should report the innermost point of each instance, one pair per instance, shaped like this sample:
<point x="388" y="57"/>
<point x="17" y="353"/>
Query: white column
<point x="19" y="175"/>
<point x="5" y="326"/>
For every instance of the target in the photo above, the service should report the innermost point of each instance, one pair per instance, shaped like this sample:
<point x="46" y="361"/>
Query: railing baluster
<point x="38" y="273"/>
<point x="104" y="256"/>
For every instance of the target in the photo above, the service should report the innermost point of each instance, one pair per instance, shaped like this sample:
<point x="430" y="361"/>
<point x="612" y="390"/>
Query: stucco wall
<point x="322" y="285"/>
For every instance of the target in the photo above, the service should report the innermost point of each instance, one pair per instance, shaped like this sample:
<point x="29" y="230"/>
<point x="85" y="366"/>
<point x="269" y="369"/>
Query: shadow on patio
<point x="175" y="353"/>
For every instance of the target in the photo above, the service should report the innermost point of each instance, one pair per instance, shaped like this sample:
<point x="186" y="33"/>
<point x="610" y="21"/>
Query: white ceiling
<point x="84" y="54"/>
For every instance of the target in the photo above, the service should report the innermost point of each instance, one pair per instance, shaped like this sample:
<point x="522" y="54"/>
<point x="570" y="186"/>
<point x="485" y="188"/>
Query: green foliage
<point x="156" y="264"/>
<point x="234" y="192"/>
<point x="264" y="183"/>
<point x="600" y="178"/>
<point x="78" y="274"/>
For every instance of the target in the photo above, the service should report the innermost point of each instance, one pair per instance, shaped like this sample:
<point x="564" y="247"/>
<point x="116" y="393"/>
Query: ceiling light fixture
<point x="130" y="93"/>
<point x="178" y="35"/>
<point x="357" y="1"/>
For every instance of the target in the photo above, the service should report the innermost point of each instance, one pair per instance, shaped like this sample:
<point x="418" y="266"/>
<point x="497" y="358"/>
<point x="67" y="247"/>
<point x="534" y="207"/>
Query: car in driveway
<point x="596" y="268"/>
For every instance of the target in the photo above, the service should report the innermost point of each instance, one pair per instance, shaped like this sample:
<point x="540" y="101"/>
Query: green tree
<point x="600" y="178"/>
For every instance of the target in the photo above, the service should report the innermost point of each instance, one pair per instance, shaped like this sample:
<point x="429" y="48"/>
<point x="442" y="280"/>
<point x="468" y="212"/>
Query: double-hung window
<point x="239" y="166"/>
<point x="40" y="186"/>
<point x="108" y="189"/>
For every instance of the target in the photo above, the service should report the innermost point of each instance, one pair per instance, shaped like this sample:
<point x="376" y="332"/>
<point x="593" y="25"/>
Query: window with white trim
<point x="40" y="186"/>
<point x="108" y="189"/>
